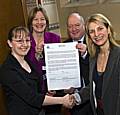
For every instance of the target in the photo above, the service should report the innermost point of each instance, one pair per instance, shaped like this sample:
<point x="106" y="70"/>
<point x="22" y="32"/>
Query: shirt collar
<point x="81" y="39"/>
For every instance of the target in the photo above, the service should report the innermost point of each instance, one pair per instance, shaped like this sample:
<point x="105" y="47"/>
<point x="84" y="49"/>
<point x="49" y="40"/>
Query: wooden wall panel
<point x="3" y="108"/>
<point x="3" y="50"/>
<point x="11" y="14"/>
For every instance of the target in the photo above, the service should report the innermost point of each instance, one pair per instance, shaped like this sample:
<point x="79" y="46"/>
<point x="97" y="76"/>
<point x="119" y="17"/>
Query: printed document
<point x="62" y="65"/>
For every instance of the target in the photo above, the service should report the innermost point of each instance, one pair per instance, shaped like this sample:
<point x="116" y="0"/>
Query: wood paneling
<point x="3" y="108"/>
<point x="11" y="14"/>
<point x="3" y="50"/>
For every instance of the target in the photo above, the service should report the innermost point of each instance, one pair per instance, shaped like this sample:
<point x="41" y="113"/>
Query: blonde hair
<point x="98" y="18"/>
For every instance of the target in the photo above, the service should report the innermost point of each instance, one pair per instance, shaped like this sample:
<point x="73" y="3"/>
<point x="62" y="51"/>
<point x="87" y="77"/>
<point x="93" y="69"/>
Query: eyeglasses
<point x="21" y="41"/>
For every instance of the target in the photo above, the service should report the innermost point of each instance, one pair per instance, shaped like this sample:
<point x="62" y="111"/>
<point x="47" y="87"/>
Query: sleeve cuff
<point x="77" y="98"/>
<point x="84" y="55"/>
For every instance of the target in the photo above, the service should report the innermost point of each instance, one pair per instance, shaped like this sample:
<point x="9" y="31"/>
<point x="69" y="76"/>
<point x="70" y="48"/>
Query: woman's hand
<point x="68" y="101"/>
<point x="51" y="93"/>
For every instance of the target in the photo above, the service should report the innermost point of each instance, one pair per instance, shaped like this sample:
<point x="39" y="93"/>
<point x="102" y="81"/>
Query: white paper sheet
<point x="62" y="66"/>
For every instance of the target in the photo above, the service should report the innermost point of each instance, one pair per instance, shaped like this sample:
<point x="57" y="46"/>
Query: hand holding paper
<point x="62" y="66"/>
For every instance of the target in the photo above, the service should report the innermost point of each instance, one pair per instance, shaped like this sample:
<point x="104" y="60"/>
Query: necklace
<point x="39" y="49"/>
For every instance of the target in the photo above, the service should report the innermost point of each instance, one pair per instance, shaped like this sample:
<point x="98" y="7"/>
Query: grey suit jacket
<point x="111" y="84"/>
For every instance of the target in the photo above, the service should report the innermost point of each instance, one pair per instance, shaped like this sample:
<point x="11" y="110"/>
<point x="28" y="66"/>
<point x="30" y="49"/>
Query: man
<point x="76" y="32"/>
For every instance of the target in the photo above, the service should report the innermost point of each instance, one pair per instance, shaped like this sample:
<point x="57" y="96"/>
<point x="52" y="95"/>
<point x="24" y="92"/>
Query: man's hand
<point x="82" y="48"/>
<point x="69" y="91"/>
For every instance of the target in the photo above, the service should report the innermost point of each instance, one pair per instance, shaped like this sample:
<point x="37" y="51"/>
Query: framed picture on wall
<point x="51" y="8"/>
<point x="27" y="6"/>
<point x="114" y="1"/>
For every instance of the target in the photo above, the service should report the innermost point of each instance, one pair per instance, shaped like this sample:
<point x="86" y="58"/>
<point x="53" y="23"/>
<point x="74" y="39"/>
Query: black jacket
<point x="22" y="88"/>
<point x="84" y="64"/>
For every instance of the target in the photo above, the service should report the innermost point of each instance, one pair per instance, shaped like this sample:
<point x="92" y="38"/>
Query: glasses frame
<point x="21" y="41"/>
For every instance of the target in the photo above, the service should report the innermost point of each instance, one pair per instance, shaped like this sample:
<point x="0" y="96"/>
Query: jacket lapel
<point x="92" y="66"/>
<point x="108" y="72"/>
<point x="92" y="84"/>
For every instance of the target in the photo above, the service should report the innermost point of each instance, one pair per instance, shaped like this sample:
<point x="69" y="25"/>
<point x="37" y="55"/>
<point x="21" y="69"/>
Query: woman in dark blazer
<point x="20" y="80"/>
<point x="104" y="68"/>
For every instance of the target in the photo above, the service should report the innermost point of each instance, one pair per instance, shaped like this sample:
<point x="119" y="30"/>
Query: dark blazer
<point x="111" y="84"/>
<point x="84" y="108"/>
<point x="84" y="64"/>
<point x="22" y="88"/>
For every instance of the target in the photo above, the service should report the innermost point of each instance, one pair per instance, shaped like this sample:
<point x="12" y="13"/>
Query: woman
<point x="38" y="25"/>
<point x="20" y="80"/>
<point x="104" y="65"/>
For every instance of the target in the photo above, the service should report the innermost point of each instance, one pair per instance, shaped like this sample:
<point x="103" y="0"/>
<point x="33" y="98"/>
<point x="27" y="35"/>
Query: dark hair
<point x="14" y="30"/>
<point x="32" y="14"/>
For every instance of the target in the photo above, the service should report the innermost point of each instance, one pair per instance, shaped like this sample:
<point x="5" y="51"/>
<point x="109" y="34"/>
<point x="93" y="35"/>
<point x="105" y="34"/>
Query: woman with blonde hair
<point x="104" y="64"/>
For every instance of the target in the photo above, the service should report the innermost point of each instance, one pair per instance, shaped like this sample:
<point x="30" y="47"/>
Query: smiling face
<point x="75" y="27"/>
<point x="98" y="33"/>
<point x="20" y="43"/>
<point x="39" y="23"/>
